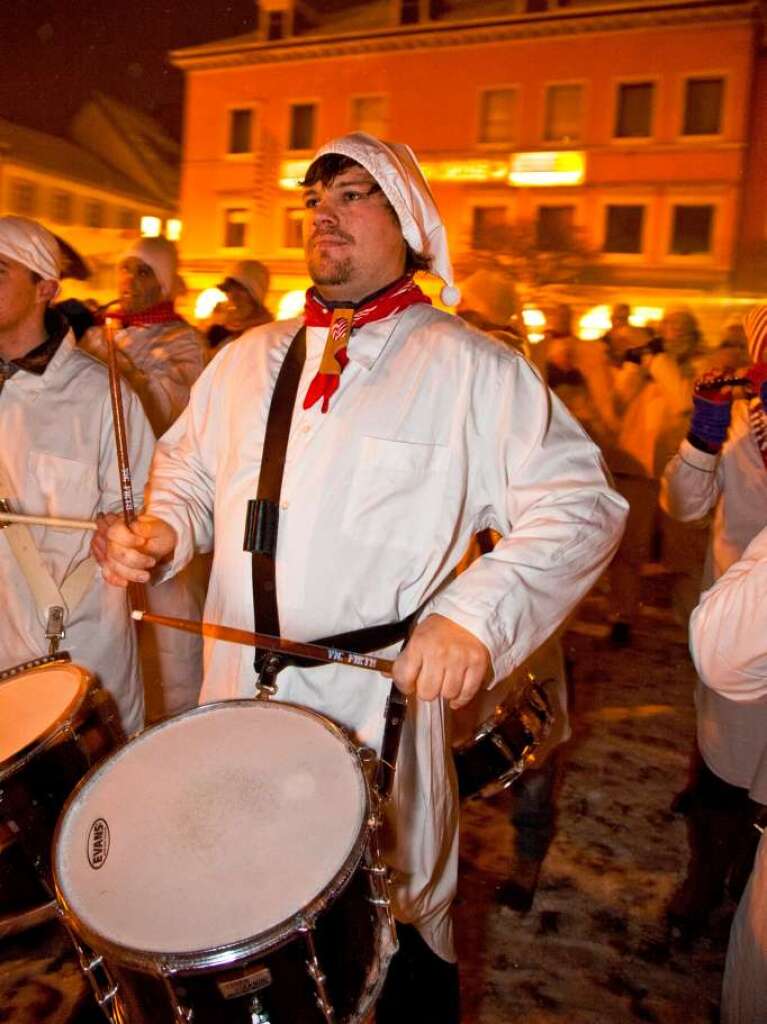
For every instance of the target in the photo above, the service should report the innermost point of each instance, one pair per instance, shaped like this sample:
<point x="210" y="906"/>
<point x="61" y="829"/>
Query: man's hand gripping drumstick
<point x="441" y="659"/>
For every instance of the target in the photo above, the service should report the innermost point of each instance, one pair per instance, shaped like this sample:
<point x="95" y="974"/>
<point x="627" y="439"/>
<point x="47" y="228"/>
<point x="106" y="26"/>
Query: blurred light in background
<point x="207" y="301"/>
<point x="534" y="321"/>
<point x="173" y="229"/>
<point x="641" y="316"/>
<point x="548" y="168"/>
<point x="594" y="323"/>
<point x="291" y="304"/>
<point x="151" y="227"/>
<point x="292" y="172"/>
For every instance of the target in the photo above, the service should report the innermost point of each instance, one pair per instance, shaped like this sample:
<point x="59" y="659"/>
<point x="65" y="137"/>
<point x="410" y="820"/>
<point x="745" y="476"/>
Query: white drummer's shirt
<point x="60" y="455"/>
<point x="436" y="432"/>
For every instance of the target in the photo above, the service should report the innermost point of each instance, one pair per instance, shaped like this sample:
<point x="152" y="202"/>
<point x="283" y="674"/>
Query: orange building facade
<point x="629" y="123"/>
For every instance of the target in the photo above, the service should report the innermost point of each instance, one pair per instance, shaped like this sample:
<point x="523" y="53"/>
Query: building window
<point x="23" y="197"/>
<point x="293" y="228"/>
<point x="94" y="214"/>
<point x="623" y="229"/>
<point x="61" y="207"/>
<point x="236" y="228"/>
<point x="563" y="113"/>
<point x="409" y="12"/>
<point x="703" y="106"/>
<point x="488" y="226"/>
<point x="633" y="119"/>
<point x="275" y="24"/>
<point x="240" y="129"/>
<point x="498" y="116"/>
<point x="691" y="231"/>
<point x="554" y="227"/>
<point x="126" y="219"/>
<point x="371" y="114"/>
<point x="302" y="125"/>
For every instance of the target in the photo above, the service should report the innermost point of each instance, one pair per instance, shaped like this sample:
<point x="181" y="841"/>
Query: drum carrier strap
<point x="261" y="525"/>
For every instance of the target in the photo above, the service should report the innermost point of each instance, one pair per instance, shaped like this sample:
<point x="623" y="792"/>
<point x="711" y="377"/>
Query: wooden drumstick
<point x="55" y="521"/>
<point x="135" y="590"/>
<point x="315" y="652"/>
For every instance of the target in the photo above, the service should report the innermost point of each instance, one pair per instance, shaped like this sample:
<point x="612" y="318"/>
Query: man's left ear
<point x="48" y="290"/>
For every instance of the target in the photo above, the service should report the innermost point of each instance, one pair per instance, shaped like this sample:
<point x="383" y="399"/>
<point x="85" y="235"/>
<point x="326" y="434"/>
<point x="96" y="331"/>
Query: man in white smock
<point x="411" y="431"/>
<point x="59" y="460"/>
<point x="728" y="640"/>
<point x="160" y="355"/>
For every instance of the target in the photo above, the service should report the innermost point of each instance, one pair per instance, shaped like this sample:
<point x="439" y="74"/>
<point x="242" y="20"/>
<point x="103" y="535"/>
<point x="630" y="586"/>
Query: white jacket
<point x="60" y="456"/>
<point x="436" y="432"/>
<point x="728" y="639"/>
<point x="732" y="738"/>
<point x="166" y="360"/>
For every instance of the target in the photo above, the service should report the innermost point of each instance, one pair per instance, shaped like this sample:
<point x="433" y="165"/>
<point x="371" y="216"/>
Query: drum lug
<point x="109" y="996"/>
<point x="318" y="976"/>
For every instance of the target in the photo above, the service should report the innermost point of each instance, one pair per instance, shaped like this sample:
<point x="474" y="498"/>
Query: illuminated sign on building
<point x="292" y="172"/>
<point x="566" y="167"/>
<point x="468" y="171"/>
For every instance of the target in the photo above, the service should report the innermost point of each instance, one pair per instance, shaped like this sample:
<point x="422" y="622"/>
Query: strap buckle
<point x="54" y="628"/>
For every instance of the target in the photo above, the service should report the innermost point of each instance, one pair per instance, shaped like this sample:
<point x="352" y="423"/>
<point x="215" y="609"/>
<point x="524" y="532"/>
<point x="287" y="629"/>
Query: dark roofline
<point x="105" y="178"/>
<point x="250" y="48"/>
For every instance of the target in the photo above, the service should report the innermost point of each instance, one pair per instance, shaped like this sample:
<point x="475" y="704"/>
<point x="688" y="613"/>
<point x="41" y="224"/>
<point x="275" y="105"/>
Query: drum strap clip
<point x="54" y="628"/>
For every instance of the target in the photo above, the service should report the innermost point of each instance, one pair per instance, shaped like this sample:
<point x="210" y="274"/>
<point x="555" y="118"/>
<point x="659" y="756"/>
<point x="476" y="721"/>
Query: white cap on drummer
<point x="395" y="168"/>
<point x="32" y="245"/>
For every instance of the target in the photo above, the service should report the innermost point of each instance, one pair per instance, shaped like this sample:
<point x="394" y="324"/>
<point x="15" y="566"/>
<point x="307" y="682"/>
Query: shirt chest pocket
<point x="67" y="487"/>
<point x="396" y="493"/>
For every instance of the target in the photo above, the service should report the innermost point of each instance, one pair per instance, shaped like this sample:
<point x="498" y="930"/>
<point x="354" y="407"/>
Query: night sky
<point x="54" y="53"/>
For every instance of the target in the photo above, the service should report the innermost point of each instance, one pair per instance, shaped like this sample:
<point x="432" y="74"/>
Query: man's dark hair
<point x="36" y="278"/>
<point x="325" y="169"/>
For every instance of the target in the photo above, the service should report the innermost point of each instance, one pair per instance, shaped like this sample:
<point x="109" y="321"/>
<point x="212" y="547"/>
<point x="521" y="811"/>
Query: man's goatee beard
<point x="332" y="272"/>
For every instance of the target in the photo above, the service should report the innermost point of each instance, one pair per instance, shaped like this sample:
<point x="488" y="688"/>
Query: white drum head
<point x="210" y="828"/>
<point x="33" y="703"/>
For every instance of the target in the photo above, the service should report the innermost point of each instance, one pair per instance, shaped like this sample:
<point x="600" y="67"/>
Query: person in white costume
<point x="60" y="460"/>
<point x="728" y="640"/>
<point x="722" y="467"/>
<point x="161" y="356"/>
<point x="427" y="432"/>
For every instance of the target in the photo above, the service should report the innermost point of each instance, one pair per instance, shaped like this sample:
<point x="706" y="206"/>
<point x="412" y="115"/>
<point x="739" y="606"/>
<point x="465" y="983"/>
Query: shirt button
<point x="284" y="504"/>
<point x="306" y="428"/>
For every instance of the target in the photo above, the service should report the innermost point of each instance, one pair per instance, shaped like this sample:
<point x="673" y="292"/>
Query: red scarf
<point x="162" y="313"/>
<point x="341" y="320"/>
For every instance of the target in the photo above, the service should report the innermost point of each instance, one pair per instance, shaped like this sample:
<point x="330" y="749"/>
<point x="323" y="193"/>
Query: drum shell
<point x="36" y="782"/>
<point x="349" y="936"/>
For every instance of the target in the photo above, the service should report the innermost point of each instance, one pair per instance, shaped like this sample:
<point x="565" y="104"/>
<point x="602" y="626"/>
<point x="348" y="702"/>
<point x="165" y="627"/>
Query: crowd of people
<point x="409" y="435"/>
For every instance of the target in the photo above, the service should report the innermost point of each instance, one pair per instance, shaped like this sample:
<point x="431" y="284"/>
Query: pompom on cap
<point x="450" y="295"/>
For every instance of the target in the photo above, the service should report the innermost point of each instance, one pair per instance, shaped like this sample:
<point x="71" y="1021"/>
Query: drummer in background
<point x="59" y="459"/>
<point x="409" y="440"/>
<point x="245" y="286"/>
<point x="160" y="355"/>
<point x="728" y="640"/>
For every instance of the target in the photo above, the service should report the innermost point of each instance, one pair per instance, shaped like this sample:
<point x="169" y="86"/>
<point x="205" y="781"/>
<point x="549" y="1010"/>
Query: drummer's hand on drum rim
<point x="442" y="659"/>
<point x="133" y="551"/>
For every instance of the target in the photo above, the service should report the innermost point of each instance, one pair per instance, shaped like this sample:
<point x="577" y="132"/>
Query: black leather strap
<point x="263" y="514"/>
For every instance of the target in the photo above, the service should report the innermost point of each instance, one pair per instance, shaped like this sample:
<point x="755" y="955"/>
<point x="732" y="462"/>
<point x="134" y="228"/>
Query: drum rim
<point x="87" y="683"/>
<point x="163" y="963"/>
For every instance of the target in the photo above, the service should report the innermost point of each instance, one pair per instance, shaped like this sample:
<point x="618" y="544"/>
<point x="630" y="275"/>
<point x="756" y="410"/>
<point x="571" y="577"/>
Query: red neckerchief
<point x="162" y="313"/>
<point x="341" y="319"/>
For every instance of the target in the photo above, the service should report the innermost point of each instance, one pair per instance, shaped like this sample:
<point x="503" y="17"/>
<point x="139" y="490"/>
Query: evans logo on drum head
<point x="98" y="844"/>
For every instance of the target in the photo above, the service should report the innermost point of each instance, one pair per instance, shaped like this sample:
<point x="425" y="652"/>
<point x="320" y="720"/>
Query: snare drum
<point x="223" y="866"/>
<point x="56" y="722"/>
<point x="505" y="743"/>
